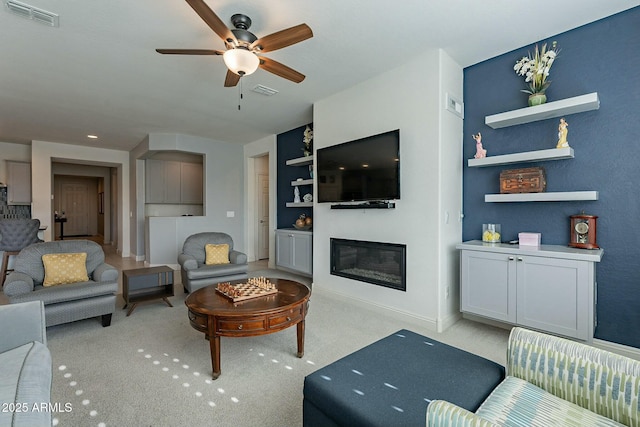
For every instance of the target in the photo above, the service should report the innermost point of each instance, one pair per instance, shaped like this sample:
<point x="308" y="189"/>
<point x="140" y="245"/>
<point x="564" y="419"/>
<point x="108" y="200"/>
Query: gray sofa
<point x="195" y="274"/>
<point x="66" y="302"/>
<point x="25" y="366"/>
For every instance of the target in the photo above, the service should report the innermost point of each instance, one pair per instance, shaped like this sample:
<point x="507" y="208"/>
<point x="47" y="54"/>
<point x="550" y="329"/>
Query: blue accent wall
<point x="289" y="146"/>
<point x="602" y="57"/>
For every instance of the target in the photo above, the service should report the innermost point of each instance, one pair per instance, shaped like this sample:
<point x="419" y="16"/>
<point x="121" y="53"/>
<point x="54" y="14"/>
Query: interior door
<point x="263" y="216"/>
<point x="74" y="205"/>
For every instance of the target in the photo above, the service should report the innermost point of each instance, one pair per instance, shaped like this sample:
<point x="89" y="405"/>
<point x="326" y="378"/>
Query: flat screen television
<point x="366" y="169"/>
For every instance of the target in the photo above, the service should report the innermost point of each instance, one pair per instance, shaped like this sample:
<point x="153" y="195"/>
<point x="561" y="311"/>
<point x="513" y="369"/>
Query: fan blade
<point x="281" y="70"/>
<point x="189" y="51"/>
<point x="232" y="79"/>
<point x="212" y="20"/>
<point x="282" y="38"/>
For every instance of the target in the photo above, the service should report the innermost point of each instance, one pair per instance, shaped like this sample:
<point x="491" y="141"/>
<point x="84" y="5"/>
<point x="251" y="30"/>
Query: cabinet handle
<point x="239" y="326"/>
<point x="520" y="259"/>
<point x="511" y="258"/>
<point x="288" y="319"/>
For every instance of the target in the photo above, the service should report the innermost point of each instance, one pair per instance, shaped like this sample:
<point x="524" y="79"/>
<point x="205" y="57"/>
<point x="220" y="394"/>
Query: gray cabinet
<point x="173" y="182"/>
<point x="549" y="288"/>
<point x="294" y="250"/>
<point x="18" y="183"/>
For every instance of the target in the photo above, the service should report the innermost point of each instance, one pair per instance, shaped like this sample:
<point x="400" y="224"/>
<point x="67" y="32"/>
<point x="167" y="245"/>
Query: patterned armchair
<point x="553" y="381"/>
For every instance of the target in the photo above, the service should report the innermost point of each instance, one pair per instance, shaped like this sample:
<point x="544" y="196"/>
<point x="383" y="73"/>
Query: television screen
<point x="361" y="170"/>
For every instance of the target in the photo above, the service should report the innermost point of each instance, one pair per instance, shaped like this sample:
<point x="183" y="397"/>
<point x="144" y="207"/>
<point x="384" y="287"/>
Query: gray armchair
<point x="25" y="366"/>
<point x="66" y="302"/>
<point x="196" y="274"/>
<point x="16" y="234"/>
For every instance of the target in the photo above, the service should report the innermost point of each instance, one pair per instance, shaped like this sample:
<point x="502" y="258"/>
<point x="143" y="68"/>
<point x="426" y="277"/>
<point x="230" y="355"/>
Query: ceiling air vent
<point x="33" y="13"/>
<point x="264" y="90"/>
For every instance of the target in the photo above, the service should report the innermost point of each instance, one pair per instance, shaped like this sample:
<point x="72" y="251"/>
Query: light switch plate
<point x="455" y="106"/>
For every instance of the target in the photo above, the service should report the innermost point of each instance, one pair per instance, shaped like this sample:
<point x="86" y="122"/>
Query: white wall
<point x="44" y="153"/>
<point x="407" y="98"/>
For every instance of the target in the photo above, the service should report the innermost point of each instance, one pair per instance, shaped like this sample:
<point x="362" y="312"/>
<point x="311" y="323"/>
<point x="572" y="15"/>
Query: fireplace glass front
<point x="381" y="264"/>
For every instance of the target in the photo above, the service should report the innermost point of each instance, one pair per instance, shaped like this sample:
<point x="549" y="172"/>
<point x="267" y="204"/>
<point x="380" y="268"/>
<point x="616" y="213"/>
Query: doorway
<point x="261" y="201"/>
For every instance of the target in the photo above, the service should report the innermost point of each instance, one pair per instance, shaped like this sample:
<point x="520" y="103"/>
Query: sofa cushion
<point x="64" y="268"/>
<point x="25" y="381"/>
<point x="516" y="402"/>
<point x="216" y="254"/>
<point x="216" y="270"/>
<point x="67" y="292"/>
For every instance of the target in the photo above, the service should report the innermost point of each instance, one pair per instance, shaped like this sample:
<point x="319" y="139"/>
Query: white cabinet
<point x="294" y="250"/>
<point x="549" y="288"/>
<point x="173" y="182"/>
<point x="18" y="183"/>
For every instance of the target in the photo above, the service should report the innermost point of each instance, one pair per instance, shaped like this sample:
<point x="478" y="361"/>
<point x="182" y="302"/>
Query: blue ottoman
<point x="391" y="382"/>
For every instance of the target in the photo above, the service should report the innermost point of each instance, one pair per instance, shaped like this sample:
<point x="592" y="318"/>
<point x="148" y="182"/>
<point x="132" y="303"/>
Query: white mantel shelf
<point x="542" y="197"/>
<point x="563" y="107"/>
<point x="524" y="157"/>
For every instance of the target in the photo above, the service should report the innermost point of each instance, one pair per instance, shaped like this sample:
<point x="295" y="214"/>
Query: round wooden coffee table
<point x="217" y="316"/>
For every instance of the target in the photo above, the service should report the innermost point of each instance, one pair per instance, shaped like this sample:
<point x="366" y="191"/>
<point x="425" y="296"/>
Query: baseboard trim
<point x="624" y="350"/>
<point x="419" y="321"/>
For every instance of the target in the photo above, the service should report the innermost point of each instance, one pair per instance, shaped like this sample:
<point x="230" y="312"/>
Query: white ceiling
<point x="98" y="72"/>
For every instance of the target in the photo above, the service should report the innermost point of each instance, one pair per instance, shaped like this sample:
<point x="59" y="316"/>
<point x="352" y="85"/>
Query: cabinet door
<point x="284" y="249"/>
<point x="19" y="183"/>
<point x="191" y="183"/>
<point x="488" y="285"/>
<point x="302" y="252"/>
<point x="172" y="178"/>
<point x="154" y="185"/>
<point x="555" y="295"/>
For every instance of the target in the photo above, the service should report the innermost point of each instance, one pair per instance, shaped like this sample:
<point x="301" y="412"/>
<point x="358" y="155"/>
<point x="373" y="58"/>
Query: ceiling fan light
<point x="241" y="61"/>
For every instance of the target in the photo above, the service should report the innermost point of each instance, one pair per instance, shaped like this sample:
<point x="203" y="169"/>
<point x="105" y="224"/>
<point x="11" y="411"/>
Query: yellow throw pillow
<point x="216" y="254"/>
<point x="64" y="268"/>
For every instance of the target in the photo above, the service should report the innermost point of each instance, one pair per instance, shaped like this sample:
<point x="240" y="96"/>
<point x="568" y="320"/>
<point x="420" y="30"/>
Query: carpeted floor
<point x="154" y="369"/>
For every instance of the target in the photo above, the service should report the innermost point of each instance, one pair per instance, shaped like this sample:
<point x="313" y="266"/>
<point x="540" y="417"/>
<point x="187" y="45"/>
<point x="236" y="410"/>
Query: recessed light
<point x="92" y="136"/>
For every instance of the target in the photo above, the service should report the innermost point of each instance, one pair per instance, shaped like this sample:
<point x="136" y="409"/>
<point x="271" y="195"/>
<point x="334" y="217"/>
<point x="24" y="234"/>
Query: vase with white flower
<point x="535" y="68"/>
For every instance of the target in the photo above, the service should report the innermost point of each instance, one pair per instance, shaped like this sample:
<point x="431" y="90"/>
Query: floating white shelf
<point x="302" y="182"/>
<point x="524" y="157"/>
<point x="300" y="161"/>
<point x="564" y="107"/>
<point x="300" y="205"/>
<point x="542" y="197"/>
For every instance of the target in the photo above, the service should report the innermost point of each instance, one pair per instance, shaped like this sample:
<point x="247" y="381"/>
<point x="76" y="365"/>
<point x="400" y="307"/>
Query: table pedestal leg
<point x="300" y="333"/>
<point x="214" y="345"/>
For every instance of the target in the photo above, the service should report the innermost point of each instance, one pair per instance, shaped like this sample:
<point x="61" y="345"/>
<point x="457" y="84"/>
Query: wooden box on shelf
<point x="526" y="180"/>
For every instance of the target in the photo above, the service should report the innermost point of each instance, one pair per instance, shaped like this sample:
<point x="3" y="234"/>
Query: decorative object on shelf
<point x="583" y="231"/>
<point x="491" y="233"/>
<point x="296" y="195"/>
<point x="307" y="140"/>
<point x="303" y="222"/>
<point x="562" y="134"/>
<point x="311" y="171"/>
<point x="481" y="153"/>
<point x="526" y="180"/>
<point x="536" y="69"/>
<point x="307" y="198"/>
<point x="529" y="239"/>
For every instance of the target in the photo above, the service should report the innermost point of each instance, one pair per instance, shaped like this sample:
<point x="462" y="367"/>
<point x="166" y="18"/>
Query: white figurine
<point x="296" y="195"/>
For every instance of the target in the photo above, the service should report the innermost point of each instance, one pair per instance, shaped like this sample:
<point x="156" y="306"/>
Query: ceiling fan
<point x="241" y="56"/>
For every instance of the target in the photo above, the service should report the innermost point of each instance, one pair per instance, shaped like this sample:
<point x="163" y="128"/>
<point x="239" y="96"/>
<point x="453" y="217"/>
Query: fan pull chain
<point x="240" y="93"/>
